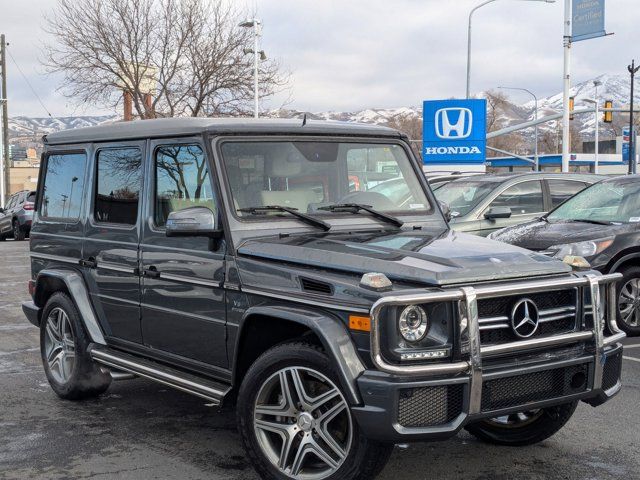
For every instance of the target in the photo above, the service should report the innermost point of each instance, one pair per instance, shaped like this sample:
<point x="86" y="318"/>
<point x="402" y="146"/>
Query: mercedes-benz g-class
<point x="255" y="263"/>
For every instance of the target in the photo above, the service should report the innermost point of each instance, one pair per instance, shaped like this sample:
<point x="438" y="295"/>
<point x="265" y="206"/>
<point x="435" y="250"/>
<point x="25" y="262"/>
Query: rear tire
<point x="628" y="297"/>
<point x="276" y="382"/>
<point x="525" y="428"/>
<point x="70" y="370"/>
<point x="18" y="233"/>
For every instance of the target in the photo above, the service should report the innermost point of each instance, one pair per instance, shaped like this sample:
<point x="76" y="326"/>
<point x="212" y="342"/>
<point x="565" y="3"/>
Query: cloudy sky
<point x="354" y="54"/>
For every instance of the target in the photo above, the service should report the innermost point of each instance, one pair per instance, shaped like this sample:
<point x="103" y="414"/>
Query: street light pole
<point x="473" y="10"/>
<point x="257" y="54"/>
<point x="632" y="134"/>
<point x="566" y="93"/>
<point x="535" y="98"/>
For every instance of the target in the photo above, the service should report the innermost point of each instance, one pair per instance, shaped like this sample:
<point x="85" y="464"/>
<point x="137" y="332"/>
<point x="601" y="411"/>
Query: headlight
<point x="413" y="323"/>
<point x="581" y="249"/>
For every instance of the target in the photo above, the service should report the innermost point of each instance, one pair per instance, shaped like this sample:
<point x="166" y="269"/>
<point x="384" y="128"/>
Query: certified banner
<point x="588" y="19"/>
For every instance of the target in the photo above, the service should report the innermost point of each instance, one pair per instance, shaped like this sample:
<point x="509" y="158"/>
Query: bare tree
<point x="190" y="50"/>
<point x="411" y="126"/>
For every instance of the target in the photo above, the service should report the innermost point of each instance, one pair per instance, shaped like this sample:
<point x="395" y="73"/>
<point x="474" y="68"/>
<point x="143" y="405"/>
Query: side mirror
<point x="446" y="210"/>
<point x="497" y="212"/>
<point x="193" y="222"/>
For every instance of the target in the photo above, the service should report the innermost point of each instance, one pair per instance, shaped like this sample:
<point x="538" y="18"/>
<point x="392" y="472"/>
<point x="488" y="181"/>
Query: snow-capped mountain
<point x="36" y="127"/>
<point x="613" y="87"/>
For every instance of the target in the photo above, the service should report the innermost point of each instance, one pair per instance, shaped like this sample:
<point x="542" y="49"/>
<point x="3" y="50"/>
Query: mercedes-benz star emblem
<point x="524" y="318"/>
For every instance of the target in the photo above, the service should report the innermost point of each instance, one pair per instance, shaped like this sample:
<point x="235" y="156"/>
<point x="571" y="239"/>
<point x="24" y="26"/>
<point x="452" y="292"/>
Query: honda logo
<point x="453" y="123"/>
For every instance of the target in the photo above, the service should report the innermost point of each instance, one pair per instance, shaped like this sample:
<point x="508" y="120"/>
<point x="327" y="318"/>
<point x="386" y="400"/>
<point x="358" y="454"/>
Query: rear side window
<point x="562" y="190"/>
<point x="63" y="188"/>
<point x="118" y="185"/>
<point x="182" y="181"/>
<point x="31" y="197"/>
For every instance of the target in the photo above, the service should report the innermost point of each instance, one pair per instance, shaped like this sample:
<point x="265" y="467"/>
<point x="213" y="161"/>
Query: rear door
<point x="110" y="253"/>
<point x="562" y="189"/>
<point x="183" y="304"/>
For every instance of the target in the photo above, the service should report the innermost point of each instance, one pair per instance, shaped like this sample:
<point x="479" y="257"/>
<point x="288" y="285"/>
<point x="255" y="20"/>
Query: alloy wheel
<point x="59" y="345"/>
<point x="302" y="423"/>
<point x="629" y="303"/>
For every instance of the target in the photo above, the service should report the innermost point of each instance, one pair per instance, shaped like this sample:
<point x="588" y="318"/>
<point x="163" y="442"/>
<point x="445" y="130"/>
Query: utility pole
<point x="632" y="131"/>
<point x="5" y="120"/>
<point x="566" y="125"/>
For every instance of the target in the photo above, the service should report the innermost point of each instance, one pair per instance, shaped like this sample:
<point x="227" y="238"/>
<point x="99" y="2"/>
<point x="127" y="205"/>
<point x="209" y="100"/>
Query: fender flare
<point x="332" y="333"/>
<point x="625" y="258"/>
<point x="79" y="294"/>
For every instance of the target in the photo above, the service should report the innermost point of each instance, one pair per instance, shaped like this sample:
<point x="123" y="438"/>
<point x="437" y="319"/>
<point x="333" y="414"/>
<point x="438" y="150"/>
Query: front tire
<point x="18" y="233"/>
<point x="295" y="421"/>
<point x="523" y="428"/>
<point x="628" y="290"/>
<point x="70" y="370"/>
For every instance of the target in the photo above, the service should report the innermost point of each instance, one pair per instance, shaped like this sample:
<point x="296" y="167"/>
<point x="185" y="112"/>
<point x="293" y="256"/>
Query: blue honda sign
<point x="454" y="131"/>
<point x="588" y="19"/>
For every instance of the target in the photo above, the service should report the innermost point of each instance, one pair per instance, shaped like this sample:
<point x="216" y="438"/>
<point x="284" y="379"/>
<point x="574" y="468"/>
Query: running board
<point x="186" y="382"/>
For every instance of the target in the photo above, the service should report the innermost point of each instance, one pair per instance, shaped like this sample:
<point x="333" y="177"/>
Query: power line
<point x="29" y="83"/>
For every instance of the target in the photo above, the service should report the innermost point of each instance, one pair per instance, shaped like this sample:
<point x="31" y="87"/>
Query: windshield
<point x="463" y="196"/>
<point x="617" y="201"/>
<point x="310" y="175"/>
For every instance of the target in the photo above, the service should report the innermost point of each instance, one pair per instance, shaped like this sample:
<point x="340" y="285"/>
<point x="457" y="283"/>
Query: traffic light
<point x="572" y="104"/>
<point x="608" y="116"/>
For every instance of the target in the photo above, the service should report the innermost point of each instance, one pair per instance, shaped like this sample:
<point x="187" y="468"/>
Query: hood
<point x="540" y="235"/>
<point x="432" y="258"/>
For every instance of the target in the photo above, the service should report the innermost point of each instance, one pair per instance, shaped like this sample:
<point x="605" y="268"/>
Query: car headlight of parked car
<point x="581" y="249"/>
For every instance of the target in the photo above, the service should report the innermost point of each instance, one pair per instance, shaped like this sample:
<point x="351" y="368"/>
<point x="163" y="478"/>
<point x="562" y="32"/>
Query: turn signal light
<point x="359" y="323"/>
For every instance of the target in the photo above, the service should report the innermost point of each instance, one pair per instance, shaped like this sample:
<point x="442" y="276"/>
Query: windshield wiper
<point x="588" y="220"/>
<point x="293" y="211"/>
<point x="357" y="207"/>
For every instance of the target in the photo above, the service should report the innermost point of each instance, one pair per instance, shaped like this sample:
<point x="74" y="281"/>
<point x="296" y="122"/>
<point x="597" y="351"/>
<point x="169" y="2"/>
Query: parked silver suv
<point x="485" y="203"/>
<point x="15" y="218"/>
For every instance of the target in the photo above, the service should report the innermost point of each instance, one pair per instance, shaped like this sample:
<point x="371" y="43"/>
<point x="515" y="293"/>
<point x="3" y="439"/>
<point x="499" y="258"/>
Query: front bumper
<point x="431" y="402"/>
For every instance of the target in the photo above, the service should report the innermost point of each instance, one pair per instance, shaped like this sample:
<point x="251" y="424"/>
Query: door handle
<point x="88" y="262"/>
<point x="151" y="272"/>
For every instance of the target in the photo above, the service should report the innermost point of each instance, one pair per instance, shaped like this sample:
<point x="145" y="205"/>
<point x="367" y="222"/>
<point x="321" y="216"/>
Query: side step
<point x="186" y="382"/>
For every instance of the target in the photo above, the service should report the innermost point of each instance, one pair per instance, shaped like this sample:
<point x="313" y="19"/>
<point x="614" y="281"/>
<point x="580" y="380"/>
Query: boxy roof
<point x="177" y="127"/>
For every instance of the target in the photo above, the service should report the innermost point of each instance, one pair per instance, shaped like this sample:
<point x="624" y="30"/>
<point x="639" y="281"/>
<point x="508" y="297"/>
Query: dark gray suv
<point x="16" y="217"/>
<point x="247" y="262"/>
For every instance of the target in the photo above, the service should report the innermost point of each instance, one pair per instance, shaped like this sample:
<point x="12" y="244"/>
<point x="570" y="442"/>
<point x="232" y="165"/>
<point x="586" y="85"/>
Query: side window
<point x="11" y="202"/>
<point x="182" y="181"/>
<point x="118" y="185"/>
<point x="562" y="190"/>
<point x="63" y="188"/>
<point x="523" y="198"/>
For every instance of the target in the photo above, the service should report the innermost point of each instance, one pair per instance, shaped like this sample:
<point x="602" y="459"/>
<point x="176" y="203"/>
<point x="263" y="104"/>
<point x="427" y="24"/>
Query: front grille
<point x="534" y="387"/>
<point x="611" y="371"/>
<point x="429" y="406"/>
<point x="557" y="314"/>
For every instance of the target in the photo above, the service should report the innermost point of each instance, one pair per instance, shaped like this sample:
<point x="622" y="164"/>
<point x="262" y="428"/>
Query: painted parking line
<point x="631" y="358"/>
<point x="635" y="345"/>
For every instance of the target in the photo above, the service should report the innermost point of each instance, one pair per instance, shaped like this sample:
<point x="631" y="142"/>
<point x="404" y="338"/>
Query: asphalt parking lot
<point x="140" y="430"/>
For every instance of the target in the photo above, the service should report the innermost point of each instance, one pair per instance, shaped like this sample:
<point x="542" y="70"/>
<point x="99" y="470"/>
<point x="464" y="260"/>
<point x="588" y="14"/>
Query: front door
<point x="110" y="253"/>
<point x="183" y="309"/>
<point x="525" y="200"/>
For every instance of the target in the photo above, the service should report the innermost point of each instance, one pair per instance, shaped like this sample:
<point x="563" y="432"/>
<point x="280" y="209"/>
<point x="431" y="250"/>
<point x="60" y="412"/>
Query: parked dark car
<point x="483" y="204"/>
<point x="601" y="224"/>
<point x="15" y="218"/>
<point x="233" y="260"/>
